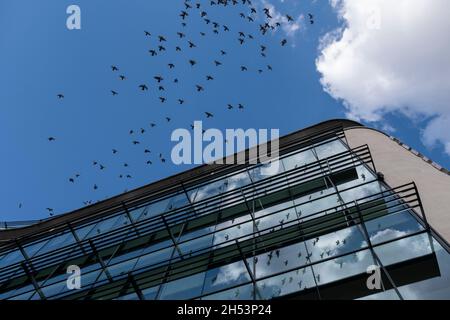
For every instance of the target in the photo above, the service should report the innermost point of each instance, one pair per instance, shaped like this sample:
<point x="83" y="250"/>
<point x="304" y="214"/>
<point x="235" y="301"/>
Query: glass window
<point x="54" y="289"/>
<point x="237" y="181"/>
<point x="225" y="233"/>
<point x="130" y="296"/>
<point x="226" y="276"/>
<point x="361" y="191"/>
<point x="392" y="226"/>
<point x="82" y="232"/>
<point x="404" y="249"/>
<point x="278" y="260"/>
<point x="336" y="243"/>
<point x="119" y="269"/>
<point x="298" y="159"/>
<point x="183" y="288"/>
<point x="188" y="246"/>
<point x="266" y="170"/>
<point x="209" y="190"/>
<point x="57" y="242"/>
<point x="32" y="249"/>
<point x="154" y="258"/>
<point x="316" y="202"/>
<point x="328" y="149"/>
<point x="244" y="292"/>
<point x="364" y="176"/>
<point x="286" y="283"/>
<point x="25" y="292"/>
<point x="11" y="258"/>
<point x="343" y="267"/>
<point x="150" y="293"/>
<point x="25" y="296"/>
<point x="104" y="226"/>
<point x="436" y="287"/>
<point x="265" y="219"/>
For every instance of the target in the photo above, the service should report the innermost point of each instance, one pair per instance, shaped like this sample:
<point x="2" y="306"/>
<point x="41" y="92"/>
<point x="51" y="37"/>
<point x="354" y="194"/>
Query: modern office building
<point x="345" y="203"/>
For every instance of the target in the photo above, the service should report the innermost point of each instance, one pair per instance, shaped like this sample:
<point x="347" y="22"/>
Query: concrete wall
<point x="401" y="166"/>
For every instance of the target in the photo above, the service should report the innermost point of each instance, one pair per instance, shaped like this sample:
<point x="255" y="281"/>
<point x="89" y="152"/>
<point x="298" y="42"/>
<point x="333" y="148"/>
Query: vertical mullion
<point x="33" y="281"/>
<point x="369" y="242"/>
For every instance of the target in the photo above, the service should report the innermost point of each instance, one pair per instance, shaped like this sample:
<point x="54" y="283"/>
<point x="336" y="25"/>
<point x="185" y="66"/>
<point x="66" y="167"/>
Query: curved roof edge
<point x="416" y="153"/>
<point x="154" y="187"/>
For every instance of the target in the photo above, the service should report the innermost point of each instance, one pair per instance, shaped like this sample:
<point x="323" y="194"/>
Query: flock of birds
<point x="181" y="43"/>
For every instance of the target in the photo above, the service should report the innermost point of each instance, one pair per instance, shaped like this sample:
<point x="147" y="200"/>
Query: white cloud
<point x="391" y="56"/>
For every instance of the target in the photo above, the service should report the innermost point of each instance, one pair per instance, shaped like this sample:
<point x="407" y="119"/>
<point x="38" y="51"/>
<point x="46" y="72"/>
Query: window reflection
<point x="294" y="281"/>
<point x="244" y="292"/>
<point x="224" y="277"/>
<point x="325" y="150"/>
<point x="298" y="159"/>
<point x="183" y="288"/>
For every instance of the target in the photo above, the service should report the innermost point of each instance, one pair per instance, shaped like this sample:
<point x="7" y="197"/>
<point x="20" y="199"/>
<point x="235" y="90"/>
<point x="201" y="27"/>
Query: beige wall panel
<point x="401" y="166"/>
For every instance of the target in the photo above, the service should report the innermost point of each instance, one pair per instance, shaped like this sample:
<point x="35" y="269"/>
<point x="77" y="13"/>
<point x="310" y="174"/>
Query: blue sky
<point x="40" y="58"/>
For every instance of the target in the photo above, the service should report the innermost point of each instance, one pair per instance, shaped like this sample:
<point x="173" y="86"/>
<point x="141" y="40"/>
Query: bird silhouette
<point x="183" y="14"/>
<point x="158" y="78"/>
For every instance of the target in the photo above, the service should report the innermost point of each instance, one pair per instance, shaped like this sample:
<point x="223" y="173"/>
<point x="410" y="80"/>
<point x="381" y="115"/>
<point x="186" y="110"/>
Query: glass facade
<point x="308" y="230"/>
